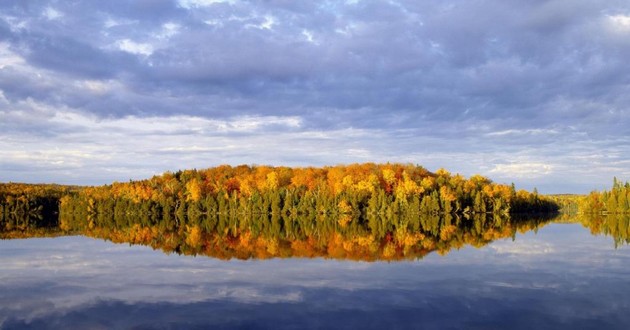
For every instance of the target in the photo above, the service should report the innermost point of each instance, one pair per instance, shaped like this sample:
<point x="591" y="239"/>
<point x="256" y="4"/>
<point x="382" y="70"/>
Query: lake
<point x="553" y="274"/>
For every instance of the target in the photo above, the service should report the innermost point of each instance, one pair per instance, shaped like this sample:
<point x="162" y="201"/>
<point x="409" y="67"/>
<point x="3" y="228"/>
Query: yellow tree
<point x="193" y="190"/>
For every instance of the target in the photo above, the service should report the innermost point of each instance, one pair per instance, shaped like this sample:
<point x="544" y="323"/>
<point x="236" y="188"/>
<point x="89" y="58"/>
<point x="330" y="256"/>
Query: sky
<point x="531" y="92"/>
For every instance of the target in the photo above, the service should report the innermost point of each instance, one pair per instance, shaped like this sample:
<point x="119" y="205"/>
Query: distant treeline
<point x="568" y="203"/>
<point x="35" y="200"/>
<point x="614" y="201"/>
<point x="358" y="189"/>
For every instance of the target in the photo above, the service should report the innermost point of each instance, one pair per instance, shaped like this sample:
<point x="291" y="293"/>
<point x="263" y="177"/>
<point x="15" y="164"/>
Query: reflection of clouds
<point x="521" y="285"/>
<point x="90" y="270"/>
<point x="523" y="248"/>
<point x="252" y="295"/>
<point x="49" y="291"/>
<point x="25" y="308"/>
<point x="55" y="263"/>
<point x="548" y="274"/>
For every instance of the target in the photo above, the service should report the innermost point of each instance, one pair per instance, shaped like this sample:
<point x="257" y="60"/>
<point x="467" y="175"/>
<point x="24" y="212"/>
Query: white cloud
<point x="308" y="35"/>
<point x="97" y="87"/>
<point x="620" y="21"/>
<point x="359" y="153"/>
<point x="7" y="57"/>
<point x="168" y="30"/>
<point x="522" y="170"/>
<point x="348" y="30"/>
<point x="190" y="4"/>
<point x="133" y="47"/>
<point x="52" y="14"/>
<point x="522" y="247"/>
<point x="521" y="132"/>
<point x="214" y="22"/>
<point x="266" y="24"/>
<point x="88" y="146"/>
<point x="114" y="22"/>
<point x="174" y="124"/>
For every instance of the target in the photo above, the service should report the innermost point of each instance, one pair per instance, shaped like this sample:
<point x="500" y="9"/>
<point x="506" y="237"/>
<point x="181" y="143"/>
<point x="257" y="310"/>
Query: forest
<point x="357" y="189"/>
<point x="35" y="200"/>
<point x="359" y="211"/>
<point x="613" y="201"/>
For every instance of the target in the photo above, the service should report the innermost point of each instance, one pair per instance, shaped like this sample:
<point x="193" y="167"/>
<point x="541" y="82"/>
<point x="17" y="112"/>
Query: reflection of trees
<point x="15" y="225"/>
<point x="616" y="225"/>
<point x="608" y="212"/>
<point x="370" y="238"/>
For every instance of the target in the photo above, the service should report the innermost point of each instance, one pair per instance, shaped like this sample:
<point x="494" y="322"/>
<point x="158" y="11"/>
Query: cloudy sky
<point x="531" y="92"/>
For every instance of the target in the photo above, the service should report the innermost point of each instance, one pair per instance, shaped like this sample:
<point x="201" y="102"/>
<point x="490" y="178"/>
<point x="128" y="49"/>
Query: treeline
<point x="34" y="200"/>
<point x="358" y="189"/>
<point x="567" y="203"/>
<point x="614" y="201"/>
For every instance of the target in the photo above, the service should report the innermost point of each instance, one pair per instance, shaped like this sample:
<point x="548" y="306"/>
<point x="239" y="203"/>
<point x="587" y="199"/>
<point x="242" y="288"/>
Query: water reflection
<point x="616" y="226"/>
<point x="555" y="276"/>
<point x="13" y="225"/>
<point x="368" y="238"/>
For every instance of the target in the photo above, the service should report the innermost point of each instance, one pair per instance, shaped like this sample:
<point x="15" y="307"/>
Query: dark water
<point x="558" y="276"/>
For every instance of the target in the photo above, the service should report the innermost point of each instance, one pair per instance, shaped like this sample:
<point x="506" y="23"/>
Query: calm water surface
<point x="558" y="277"/>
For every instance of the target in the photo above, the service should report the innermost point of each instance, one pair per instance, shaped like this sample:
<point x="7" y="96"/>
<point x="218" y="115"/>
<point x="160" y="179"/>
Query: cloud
<point x="522" y="132"/>
<point x="480" y="80"/>
<point x="524" y="249"/>
<point x="522" y="170"/>
<point x="52" y="14"/>
<point x="621" y="22"/>
<point x="190" y="4"/>
<point x="135" y="48"/>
